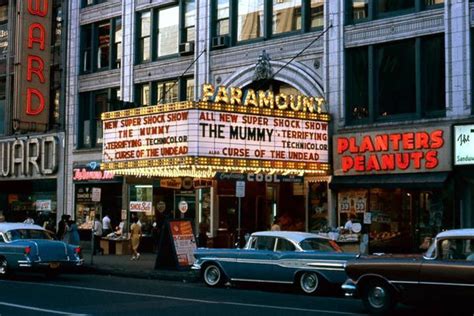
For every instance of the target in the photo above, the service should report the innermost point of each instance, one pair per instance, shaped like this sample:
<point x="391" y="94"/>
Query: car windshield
<point x="320" y="245"/>
<point x="431" y="253"/>
<point x="19" y="234"/>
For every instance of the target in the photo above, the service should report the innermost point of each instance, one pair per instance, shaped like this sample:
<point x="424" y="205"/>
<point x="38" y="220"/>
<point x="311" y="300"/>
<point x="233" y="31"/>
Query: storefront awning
<point x="392" y="181"/>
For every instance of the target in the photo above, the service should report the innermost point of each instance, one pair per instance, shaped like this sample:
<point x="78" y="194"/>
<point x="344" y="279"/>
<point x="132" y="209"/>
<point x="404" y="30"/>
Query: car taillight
<point x="27" y="250"/>
<point x="77" y="250"/>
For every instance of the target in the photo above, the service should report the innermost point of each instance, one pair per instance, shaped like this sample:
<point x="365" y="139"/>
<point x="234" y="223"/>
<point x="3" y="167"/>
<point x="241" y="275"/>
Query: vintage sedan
<point x="445" y="271"/>
<point x="31" y="248"/>
<point x="307" y="260"/>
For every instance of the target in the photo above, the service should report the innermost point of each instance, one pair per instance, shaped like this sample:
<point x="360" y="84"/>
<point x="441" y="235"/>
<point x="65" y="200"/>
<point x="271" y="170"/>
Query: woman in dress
<point x="135" y="235"/>
<point x="73" y="233"/>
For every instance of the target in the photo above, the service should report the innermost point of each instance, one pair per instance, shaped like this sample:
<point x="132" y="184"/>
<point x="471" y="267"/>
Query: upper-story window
<point x="161" y="92"/>
<point x="101" y="45"/>
<point x="240" y="21"/>
<point x="86" y="3"/>
<point x="91" y="106"/>
<point x="161" y="31"/>
<point x="3" y="63"/>
<point x="396" y="80"/>
<point x="363" y="10"/>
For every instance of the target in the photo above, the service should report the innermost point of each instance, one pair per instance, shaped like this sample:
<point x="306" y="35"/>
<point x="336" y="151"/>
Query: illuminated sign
<point x="464" y="145"/>
<point x="261" y="99"/>
<point x="32" y="73"/>
<point x="29" y="157"/>
<point x="201" y="131"/>
<point x="398" y="151"/>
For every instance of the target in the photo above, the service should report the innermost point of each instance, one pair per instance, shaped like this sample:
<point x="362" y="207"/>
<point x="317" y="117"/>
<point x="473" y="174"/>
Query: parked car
<point x="445" y="271"/>
<point x="32" y="248"/>
<point x="307" y="260"/>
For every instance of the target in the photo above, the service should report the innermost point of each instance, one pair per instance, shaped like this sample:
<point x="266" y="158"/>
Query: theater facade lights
<point x="201" y="138"/>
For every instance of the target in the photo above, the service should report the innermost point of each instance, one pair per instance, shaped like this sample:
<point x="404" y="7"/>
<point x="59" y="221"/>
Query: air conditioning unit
<point x="220" y="41"/>
<point x="186" y="48"/>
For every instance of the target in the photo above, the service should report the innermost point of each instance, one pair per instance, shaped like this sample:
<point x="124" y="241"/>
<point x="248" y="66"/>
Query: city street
<point x="107" y="295"/>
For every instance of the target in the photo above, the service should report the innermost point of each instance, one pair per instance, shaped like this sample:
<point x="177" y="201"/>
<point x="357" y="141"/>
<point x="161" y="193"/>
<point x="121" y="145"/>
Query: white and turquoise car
<point x="309" y="261"/>
<point x="32" y="248"/>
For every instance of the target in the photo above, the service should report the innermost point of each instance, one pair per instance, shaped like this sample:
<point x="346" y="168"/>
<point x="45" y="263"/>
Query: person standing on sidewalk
<point x="135" y="235"/>
<point x="97" y="230"/>
<point x="106" y="225"/>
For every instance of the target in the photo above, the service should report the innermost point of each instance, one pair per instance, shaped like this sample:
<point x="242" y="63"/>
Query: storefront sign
<point x="96" y="193"/>
<point x="43" y="205"/>
<point x="91" y="172"/>
<point x="352" y="201"/>
<point x="202" y="183"/>
<point x="261" y="99"/>
<point x="397" y="151"/>
<point x="184" y="242"/>
<point x="464" y="145"/>
<point x="140" y="206"/>
<point x="28" y="157"/>
<point x="32" y="69"/>
<point x="172" y="183"/>
<point x="183" y="206"/>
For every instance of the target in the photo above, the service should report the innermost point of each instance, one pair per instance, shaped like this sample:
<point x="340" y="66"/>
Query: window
<point x="457" y="249"/>
<point x="161" y="92"/>
<point x="101" y="45"/>
<point x="3" y="85"/>
<point x="250" y="20"/>
<point x="144" y="39"/>
<point x="189" y="20"/>
<point x="318" y="244"/>
<point x="265" y="243"/>
<point x="362" y="10"/>
<point x="168" y="31"/>
<point x="86" y="3"/>
<point x="400" y="83"/>
<point x="91" y="106"/>
<point x="254" y="20"/>
<point x="284" y="245"/>
<point x="161" y="30"/>
<point x="222" y="17"/>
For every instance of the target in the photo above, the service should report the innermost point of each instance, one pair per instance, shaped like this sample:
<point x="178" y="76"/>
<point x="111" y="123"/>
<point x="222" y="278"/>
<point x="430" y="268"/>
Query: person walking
<point x="73" y="233"/>
<point x="97" y="231"/>
<point x="62" y="226"/>
<point x="135" y="235"/>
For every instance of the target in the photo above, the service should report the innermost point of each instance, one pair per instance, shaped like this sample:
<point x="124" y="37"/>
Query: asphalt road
<point x="106" y="295"/>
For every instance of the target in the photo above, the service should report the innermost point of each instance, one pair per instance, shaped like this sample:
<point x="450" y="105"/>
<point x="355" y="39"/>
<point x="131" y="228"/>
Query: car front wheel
<point x="3" y="267"/>
<point x="213" y="275"/>
<point x="310" y="282"/>
<point x="378" y="297"/>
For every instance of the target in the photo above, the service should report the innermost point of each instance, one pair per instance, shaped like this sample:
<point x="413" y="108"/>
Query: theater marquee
<point x="201" y="138"/>
<point x="397" y="151"/>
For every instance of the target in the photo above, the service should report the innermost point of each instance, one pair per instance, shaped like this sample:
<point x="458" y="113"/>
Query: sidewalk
<point x="121" y="265"/>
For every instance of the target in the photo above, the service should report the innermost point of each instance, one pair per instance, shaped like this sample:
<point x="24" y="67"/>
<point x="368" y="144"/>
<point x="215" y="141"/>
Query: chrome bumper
<point x="349" y="287"/>
<point x="196" y="266"/>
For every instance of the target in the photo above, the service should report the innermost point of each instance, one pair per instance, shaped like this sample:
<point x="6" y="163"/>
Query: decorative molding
<point x="395" y="28"/>
<point x="165" y="69"/>
<point x="99" y="80"/>
<point x="100" y="12"/>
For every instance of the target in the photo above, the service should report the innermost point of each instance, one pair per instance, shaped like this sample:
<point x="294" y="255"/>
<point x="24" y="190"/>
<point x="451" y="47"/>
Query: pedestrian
<point x="61" y="227"/>
<point x="276" y="224"/>
<point x="106" y="225"/>
<point x="66" y="230"/>
<point x="73" y="233"/>
<point x="97" y="231"/>
<point x="29" y="219"/>
<point x="135" y="235"/>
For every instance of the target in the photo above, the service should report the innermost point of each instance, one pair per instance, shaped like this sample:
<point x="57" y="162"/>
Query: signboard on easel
<point x="177" y="245"/>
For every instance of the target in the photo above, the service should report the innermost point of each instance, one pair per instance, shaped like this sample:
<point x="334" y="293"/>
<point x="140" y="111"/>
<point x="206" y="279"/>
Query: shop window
<point x="91" y="106"/>
<point x="400" y="85"/>
<point x="141" y="206"/>
<point x="240" y="21"/>
<point x="101" y="45"/>
<point x="160" y="92"/>
<point x="362" y="10"/>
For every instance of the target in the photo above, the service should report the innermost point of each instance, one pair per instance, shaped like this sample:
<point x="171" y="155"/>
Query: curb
<point x="165" y="275"/>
